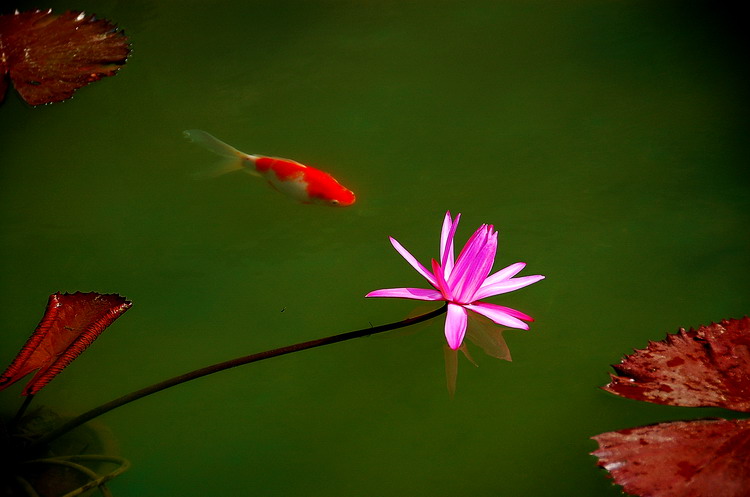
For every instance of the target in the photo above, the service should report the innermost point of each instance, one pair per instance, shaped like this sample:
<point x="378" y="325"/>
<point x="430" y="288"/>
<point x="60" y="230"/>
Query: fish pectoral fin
<point x="252" y="172"/>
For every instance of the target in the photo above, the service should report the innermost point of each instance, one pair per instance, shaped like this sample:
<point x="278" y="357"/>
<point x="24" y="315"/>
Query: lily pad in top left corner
<point x="49" y="56"/>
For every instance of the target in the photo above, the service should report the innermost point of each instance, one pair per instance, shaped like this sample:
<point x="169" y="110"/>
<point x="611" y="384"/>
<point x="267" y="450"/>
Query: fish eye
<point x="334" y="202"/>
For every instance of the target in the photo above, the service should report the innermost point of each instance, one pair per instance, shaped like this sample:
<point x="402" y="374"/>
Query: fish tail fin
<point x="213" y="144"/>
<point x="235" y="159"/>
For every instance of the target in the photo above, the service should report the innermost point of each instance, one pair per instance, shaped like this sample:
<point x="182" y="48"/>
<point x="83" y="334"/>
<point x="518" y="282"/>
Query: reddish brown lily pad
<point x="703" y="458"/>
<point x="70" y="324"/>
<point x="48" y="57"/>
<point x="709" y="366"/>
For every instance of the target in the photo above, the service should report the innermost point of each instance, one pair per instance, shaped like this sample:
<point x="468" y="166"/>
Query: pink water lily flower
<point x="465" y="281"/>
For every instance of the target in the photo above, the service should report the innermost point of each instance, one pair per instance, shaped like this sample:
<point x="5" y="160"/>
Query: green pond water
<point x="607" y="142"/>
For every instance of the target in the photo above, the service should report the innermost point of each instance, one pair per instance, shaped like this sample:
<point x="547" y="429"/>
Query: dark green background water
<point x="607" y="141"/>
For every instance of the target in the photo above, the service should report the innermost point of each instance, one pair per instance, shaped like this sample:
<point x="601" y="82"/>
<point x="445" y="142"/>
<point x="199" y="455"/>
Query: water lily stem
<point x="215" y="368"/>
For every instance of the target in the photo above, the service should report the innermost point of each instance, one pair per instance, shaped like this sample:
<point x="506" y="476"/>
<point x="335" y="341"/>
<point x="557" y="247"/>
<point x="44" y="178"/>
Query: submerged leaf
<point x="485" y="334"/>
<point x="709" y="366"/>
<point x="48" y="57"/>
<point x="70" y="324"/>
<point x="703" y="458"/>
<point x="451" y="369"/>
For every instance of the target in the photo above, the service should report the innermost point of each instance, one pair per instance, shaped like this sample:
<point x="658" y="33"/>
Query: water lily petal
<point x="413" y="262"/>
<point x="470" y="273"/>
<point x="513" y="312"/>
<point x="506" y="286"/>
<point x="505" y="273"/>
<point x="445" y="238"/>
<point x="469" y="252"/>
<point x="501" y="315"/>
<point x="407" y="293"/>
<point x="441" y="283"/>
<point x="446" y="243"/>
<point x="455" y="325"/>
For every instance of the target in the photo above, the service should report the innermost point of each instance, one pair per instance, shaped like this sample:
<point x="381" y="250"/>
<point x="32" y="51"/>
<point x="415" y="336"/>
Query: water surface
<point x="605" y="141"/>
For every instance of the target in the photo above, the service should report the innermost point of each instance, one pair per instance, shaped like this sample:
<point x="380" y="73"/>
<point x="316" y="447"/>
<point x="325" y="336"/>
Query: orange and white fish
<point x="304" y="183"/>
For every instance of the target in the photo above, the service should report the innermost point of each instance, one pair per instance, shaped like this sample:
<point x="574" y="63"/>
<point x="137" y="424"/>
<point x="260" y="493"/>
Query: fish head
<point x="322" y="188"/>
<point x="344" y="198"/>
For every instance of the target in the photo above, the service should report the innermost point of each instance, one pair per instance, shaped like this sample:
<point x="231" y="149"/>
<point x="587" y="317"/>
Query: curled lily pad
<point x="48" y="57"/>
<point x="70" y="324"/>
<point x="703" y="458"/>
<point x="709" y="366"/>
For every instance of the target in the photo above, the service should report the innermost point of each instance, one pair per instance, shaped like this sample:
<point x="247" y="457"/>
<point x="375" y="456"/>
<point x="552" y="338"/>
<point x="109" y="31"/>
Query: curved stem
<point x="215" y="368"/>
<point x="95" y="480"/>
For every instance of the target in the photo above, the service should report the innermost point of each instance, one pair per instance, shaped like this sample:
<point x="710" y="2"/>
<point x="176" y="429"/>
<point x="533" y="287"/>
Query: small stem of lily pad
<point x="22" y="409"/>
<point x="215" y="368"/>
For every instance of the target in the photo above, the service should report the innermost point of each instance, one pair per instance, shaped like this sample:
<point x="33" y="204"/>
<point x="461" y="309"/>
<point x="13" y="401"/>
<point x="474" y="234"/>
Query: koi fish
<point x="301" y="182"/>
